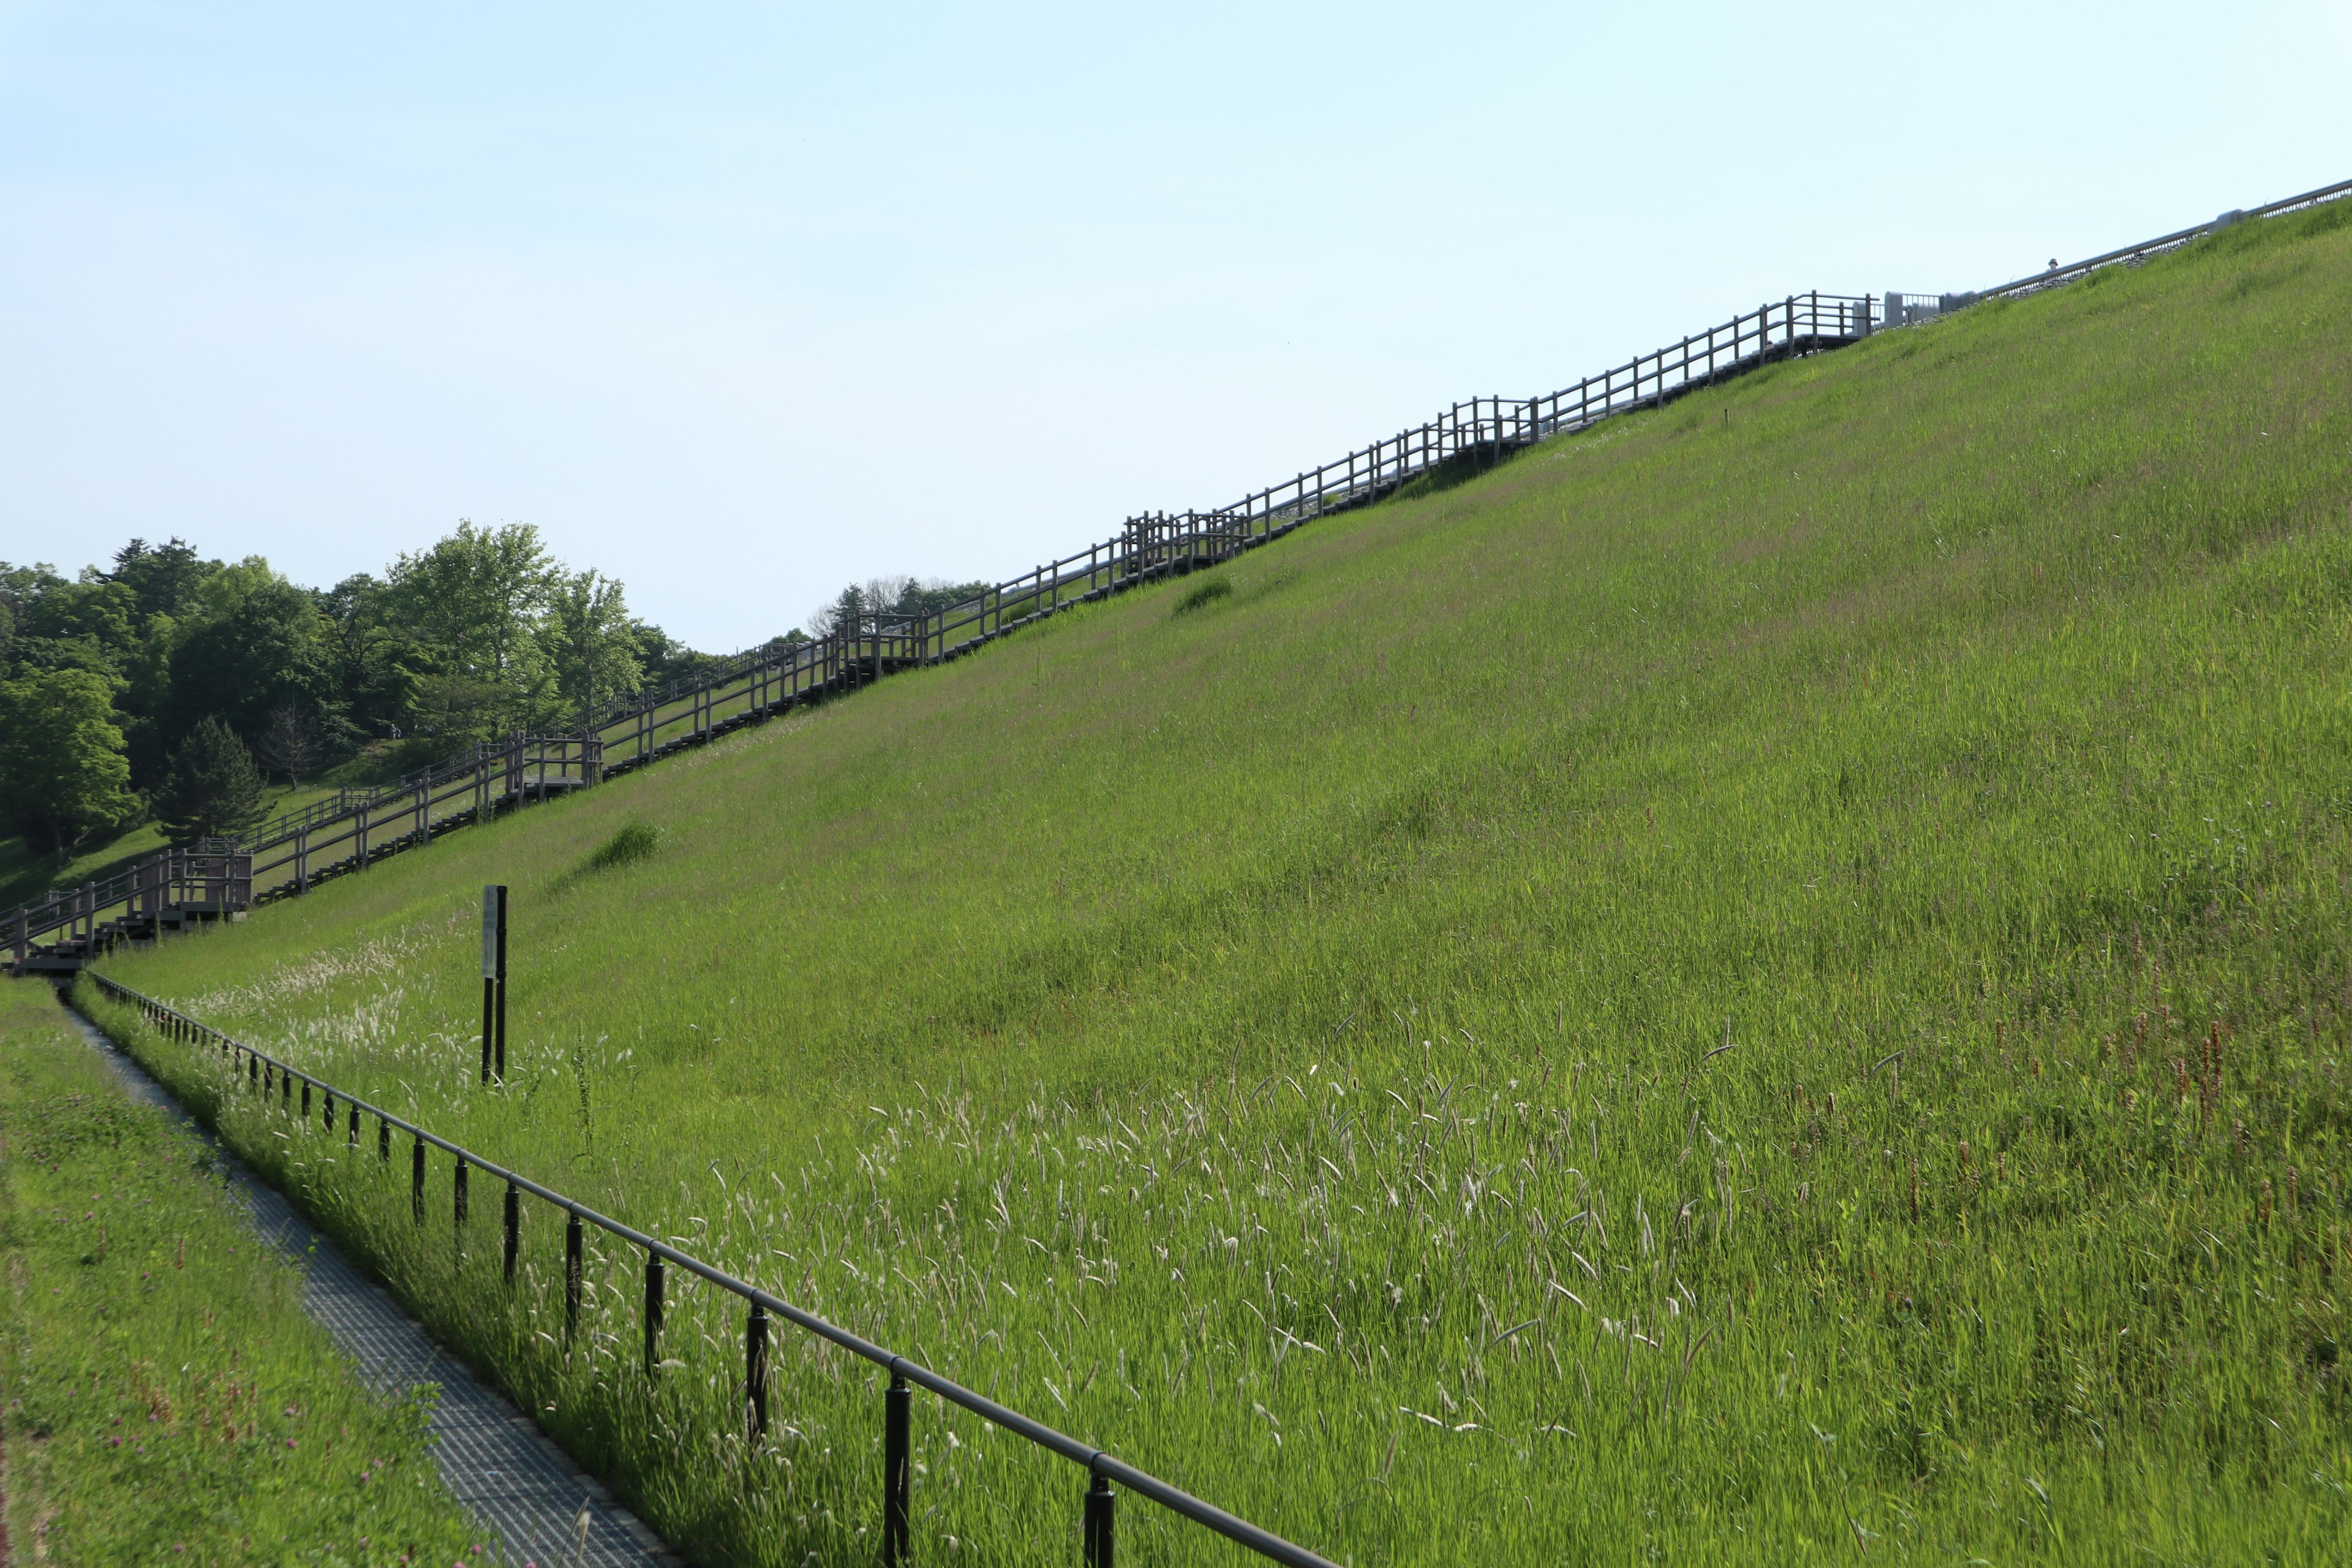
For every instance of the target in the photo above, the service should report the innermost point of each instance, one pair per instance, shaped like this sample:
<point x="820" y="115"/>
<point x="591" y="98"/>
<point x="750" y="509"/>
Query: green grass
<point x="167" y="1399"/>
<point x="1272" y="1042"/>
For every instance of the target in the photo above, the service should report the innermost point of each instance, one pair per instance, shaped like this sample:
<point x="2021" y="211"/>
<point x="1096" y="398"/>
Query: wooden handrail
<point x="627" y="732"/>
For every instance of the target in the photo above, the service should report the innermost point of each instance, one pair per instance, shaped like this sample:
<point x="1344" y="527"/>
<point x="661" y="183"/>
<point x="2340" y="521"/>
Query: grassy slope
<point x="1214" y="1031"/>
<point x="166" y="1393"/>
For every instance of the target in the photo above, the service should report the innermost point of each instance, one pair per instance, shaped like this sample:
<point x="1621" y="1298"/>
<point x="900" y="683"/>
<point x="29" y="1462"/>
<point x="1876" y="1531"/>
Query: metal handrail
<point x="2072" y="270"/>
<point x="1098" y="1462"/>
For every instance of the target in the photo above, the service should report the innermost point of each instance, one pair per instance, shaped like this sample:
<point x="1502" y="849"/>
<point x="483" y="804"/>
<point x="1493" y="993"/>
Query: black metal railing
<point x="2129" y="254"/>
<point x="276" y="1082"/>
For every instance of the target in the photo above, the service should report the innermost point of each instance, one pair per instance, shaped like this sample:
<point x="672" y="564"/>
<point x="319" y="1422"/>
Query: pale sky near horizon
<point x="737" y="303"/>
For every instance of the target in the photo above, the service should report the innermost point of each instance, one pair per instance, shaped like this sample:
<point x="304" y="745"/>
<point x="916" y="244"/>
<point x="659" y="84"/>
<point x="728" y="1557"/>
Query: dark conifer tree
<point x="215" y="791"/>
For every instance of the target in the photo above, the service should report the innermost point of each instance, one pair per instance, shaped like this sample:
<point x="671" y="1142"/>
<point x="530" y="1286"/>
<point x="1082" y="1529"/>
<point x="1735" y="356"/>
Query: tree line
<point x="172" y="687"/>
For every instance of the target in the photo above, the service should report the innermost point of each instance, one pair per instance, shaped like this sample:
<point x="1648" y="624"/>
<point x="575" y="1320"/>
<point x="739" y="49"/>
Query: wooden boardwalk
<point x="220" y="879"/>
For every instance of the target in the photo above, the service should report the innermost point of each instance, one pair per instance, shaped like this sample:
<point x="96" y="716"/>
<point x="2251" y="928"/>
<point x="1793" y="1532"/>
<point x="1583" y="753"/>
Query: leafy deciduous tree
<point x="590" y="642"/>
<point x="62" y="773"/>
<point x="258" y="645"/>
<point x="470" y="608"/>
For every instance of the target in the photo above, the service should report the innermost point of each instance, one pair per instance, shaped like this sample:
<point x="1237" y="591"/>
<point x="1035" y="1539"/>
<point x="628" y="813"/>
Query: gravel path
<point x="525" y="1490"/>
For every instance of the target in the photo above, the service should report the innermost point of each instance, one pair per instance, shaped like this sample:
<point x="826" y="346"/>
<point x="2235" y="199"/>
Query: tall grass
<point x="1763" y="983"/>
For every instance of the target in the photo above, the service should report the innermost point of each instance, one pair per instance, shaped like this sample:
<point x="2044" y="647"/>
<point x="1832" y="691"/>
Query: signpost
<point x="494" y="982"/>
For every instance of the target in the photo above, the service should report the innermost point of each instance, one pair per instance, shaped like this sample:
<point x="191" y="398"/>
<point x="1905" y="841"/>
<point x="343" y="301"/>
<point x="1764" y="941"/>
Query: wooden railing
<point x="351" y="829"/>
<point x="355" y="827"/>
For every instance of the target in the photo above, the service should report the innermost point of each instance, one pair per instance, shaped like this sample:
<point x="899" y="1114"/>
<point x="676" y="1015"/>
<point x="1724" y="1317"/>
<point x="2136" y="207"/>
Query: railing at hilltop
<point x="275" y="1084"/>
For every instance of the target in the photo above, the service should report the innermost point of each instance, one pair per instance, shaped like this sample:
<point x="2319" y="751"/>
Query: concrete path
<point x="527" y="1491"/>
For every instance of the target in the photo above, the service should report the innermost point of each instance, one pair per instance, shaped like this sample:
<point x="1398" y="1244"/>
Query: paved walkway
<point x="525" y="1490"/>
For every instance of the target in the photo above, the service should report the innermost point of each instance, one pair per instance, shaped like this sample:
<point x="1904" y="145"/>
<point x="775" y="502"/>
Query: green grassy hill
<point x="1270" y="1034"/>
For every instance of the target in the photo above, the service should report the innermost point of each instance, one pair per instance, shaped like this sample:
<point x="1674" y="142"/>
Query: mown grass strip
<point x="167" y="1398"/>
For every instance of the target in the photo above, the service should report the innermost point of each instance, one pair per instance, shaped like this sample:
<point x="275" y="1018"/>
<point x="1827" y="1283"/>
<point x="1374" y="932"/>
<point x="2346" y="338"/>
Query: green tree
<point x="214" y="791"/>
<point x="469" y="611"/>
<point x="163" y="579"/>
<point x="859" y="605"/>
<point x="63" y="776"/>
<point x="591" y="642"/>
<point x="257" y="644"/>
<point x="19" y="587"/>
<point x="89" y="625"/>
<point x="375" y="691"/>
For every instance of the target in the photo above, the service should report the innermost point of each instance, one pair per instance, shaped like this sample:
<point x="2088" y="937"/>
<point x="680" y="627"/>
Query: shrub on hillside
<point x="633" y="842"/>
<point x="1201" y="593"/>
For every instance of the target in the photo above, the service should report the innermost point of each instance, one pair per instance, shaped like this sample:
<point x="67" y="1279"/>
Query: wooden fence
<point x="352" y="830"/>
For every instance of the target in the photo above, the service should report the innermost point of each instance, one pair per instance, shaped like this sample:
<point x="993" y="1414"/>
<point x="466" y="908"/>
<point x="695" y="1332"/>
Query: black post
<point x="514" y="1228"/>
<point x="755" y="1374"/>
<point x="351" y="1136"/>
<point x="1100" y="1503"/>
<point x="574" y="1277"/>
<point x="416" y="1178"/>
<point x="253" y="1068"/>
<point x="458" y="1198"/>
<point x="327" y="1118"/>
<point x="494" y="982"/>
<point x="499" y="1070"/>
<point x="897" y="1469"/>
<point x="306" y="1100"/>
<point x="286" y="1092"/>
<point x="653" y="1312"/>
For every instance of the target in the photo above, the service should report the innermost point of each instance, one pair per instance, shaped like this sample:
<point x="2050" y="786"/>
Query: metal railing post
<point x="416" y="1179"/>
<point x="1101" y="1504"/>
<point x="755" y="1374"/>
<point x="652" y="1313"/>
<point x="458" y="1202"/>
<point x="898" y="1468"/>
<point x="575" y="1277"/>
<point x="514" y="1229"/>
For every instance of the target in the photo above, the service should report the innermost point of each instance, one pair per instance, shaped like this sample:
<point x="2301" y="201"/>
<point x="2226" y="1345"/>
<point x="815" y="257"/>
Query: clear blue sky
<point x="739" y="303"/>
